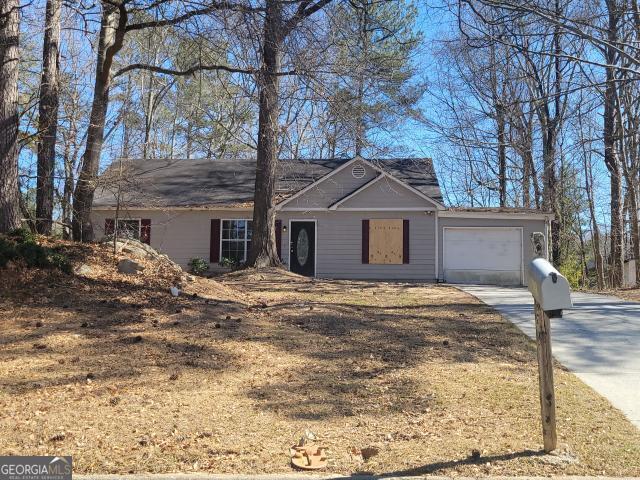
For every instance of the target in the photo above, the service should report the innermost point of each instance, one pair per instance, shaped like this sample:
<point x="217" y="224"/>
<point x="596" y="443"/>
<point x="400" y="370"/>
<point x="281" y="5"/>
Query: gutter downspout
<point x="437" y="233"/>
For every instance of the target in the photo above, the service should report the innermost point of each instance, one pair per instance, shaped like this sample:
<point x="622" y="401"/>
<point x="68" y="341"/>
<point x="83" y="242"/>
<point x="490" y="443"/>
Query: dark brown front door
<point x="302" y="248"/>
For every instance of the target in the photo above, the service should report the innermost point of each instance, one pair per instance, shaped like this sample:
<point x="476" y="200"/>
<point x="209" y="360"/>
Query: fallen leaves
<point x="390" y="377"/>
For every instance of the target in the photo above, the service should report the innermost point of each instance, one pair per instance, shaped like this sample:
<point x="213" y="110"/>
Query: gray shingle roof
<point x="205" y="182"/>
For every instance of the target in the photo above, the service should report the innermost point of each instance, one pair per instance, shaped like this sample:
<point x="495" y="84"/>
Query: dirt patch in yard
<point x="417" y="378"/>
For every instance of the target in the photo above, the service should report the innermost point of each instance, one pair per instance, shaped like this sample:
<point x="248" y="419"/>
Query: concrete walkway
<point x="599" y="339"/>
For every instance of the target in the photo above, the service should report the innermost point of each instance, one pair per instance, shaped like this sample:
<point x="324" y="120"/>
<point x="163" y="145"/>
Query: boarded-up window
<point x="386" y="241"/>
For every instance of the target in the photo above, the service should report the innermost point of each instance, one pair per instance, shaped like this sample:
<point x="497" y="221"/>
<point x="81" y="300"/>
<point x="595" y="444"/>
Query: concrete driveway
<point x="599" y="340"/>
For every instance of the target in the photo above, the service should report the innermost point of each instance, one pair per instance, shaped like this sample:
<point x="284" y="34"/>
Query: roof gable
<point x="332" y="187"/>
<point x="385" y="192"/>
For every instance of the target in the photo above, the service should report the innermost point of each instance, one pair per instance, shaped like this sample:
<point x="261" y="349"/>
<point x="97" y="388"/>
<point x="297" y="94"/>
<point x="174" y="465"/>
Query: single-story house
<point x="341" y="218"/>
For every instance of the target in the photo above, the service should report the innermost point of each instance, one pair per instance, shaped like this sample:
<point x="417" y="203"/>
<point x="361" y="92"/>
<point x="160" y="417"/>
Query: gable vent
<point x="358" y="171"/>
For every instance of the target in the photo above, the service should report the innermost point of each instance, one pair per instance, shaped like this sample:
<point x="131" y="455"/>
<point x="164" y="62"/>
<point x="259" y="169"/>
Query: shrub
<point x="34" y="255"/>
<point x="572" y="269"/>
<point x="22" y="235"/>
<point x="7" y="251"/>
<point x="21" y="245"/>
<point x="198" y="266"/>
<point x="229" y="263"/>
<point x="60" y="261"/>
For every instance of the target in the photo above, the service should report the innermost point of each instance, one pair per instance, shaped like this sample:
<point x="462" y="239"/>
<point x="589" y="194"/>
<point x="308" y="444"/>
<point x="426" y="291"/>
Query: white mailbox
<point x="548" y="287"/>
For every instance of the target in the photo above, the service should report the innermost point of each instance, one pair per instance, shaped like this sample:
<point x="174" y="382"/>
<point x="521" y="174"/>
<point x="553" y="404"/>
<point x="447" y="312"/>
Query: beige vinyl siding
<point x="181" y="234"/>
<point x="528" y="227"/>
<point x="385" y="193"/>
<point x="185" y="234"/>
<point x="339" y="245"/>
<point x="333" y="188"/>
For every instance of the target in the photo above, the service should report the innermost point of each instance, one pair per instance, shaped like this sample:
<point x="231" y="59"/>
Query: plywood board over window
<point x="385" y="241"/>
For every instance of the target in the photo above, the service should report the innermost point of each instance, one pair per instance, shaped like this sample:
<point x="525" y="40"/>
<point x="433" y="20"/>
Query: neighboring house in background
<point x="629" y="273"/>
<point x="344" y="218"/>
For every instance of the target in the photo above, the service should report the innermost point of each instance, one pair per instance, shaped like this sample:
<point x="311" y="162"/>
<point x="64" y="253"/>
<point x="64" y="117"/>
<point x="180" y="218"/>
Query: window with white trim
<point x="236" y="240"/>
<point x="129" y="228"/>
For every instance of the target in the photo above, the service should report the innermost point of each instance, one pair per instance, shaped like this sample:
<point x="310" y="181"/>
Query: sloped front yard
<point x="127" y="379"/>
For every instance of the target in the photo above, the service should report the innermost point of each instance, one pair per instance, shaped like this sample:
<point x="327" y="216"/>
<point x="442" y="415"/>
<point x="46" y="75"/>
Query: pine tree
<point x="374" y="45"/>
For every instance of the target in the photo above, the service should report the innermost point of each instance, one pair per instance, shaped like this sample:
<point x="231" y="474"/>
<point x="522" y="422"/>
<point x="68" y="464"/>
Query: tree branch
<point x="214" y="6"/>
<point x="196" y="68"/>
<point x="305" y="10"/>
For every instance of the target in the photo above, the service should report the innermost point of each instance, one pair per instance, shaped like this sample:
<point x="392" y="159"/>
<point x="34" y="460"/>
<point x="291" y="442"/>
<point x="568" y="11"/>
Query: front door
<point x="302" y="248"/>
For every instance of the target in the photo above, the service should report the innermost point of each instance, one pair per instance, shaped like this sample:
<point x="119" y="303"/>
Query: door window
<point x="302" y="247"/>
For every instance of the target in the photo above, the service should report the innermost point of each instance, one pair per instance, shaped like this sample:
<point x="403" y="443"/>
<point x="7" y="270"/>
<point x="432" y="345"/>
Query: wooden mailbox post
<point x="551" y="295"/>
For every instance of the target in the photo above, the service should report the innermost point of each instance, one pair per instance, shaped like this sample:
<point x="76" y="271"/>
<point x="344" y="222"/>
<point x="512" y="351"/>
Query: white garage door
<point x="484" y="255"/>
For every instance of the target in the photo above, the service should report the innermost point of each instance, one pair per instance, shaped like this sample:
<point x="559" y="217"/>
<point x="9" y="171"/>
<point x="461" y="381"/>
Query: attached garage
<point x="485" y="247"/>
<point x="486" y="255"/>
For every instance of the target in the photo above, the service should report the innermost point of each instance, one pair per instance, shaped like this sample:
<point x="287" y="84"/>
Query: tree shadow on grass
<point x="442" y="466"/>
<point x="355" y="356"/>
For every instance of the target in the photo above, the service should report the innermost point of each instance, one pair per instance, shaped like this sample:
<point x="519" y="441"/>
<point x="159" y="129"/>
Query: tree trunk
<point x="263" y="244"/>
<point x="502" y="154"/>
<point x="522" y="125"/>
<point x="634" y="221"/>
<point x="108" y="46"/>
<point x="148" y="116"/>
<point x="534" y="180"/>
<point x="9" y="63"/>
<point x="67" y="193"/>
<point x="360" y="128"/>
<point x="611" y="158"/>
<point x="635" y="236"/>
<point x="549" y="192"/>
<point x="189" y="141"/>
<point x="526" y="182"/>
<point x="125" y="151"/>
<point x="631" y="197"/>
<point x="617" y="234"/>
<point x="48" y="117"/>
<point x="583" y="256"/>
<point x="595" y="230"/>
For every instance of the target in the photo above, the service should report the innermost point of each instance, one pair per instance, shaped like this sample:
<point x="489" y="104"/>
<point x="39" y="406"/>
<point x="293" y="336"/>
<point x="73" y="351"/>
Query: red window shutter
<point x="405" y="241"/>
<point x="279" y="238"/>
<point x="365" y="241"/>
<point x="145" y="231"/>
<point x="214" y="250"/>
<point x="109" y="225"/>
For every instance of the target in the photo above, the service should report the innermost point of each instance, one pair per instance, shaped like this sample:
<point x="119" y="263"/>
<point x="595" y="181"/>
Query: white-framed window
<point x="129" y="228"/>
<point x="235" y="240"/>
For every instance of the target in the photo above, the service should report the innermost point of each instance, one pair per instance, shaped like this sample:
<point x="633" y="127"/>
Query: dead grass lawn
<point x="127" y="379"/>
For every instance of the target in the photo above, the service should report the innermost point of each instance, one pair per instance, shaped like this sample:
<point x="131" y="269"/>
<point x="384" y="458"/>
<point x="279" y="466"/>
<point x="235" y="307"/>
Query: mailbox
<point x="548" y="287"/>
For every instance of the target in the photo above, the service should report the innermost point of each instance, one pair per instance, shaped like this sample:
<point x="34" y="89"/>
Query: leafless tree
<point x="9" y="59"/>
<point x="48" y="117"/>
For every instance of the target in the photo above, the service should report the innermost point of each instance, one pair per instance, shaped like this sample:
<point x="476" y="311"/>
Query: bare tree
<point x="279" y="20"/>
<point x="611" y="154"/>
<point x="48" y="117"/>
<point x="9" y="60"/>
<point x="277" y="28"/>
<point x="114" y="26"/>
